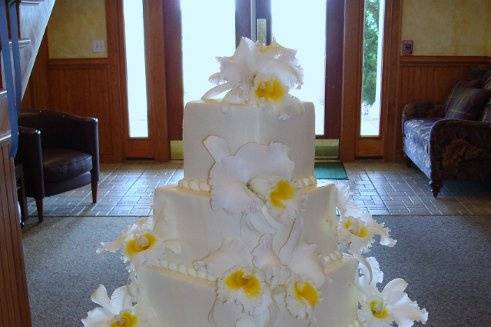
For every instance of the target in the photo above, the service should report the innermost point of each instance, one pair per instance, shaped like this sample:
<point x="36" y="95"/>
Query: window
<point x="373" y="27"/>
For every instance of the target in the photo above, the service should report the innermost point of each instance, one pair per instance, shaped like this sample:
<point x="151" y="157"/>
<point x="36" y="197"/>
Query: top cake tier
<point x="241" y="124"/>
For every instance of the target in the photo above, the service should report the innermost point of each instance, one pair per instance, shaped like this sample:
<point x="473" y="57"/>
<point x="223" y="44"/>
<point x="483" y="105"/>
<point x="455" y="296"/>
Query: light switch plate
<point x="98" y="46"/>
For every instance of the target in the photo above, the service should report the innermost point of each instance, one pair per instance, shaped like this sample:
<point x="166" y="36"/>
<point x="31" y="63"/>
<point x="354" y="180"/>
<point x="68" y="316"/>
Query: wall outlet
<point x="98" y="46"/>
<point x="407" y="47"/>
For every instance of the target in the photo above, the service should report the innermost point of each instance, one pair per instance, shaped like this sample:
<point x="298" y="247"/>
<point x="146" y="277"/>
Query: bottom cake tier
<point x="178" y="298"/>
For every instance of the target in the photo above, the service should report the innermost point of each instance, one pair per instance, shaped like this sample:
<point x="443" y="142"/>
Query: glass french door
<point x="208" y="31"/>
<point x="301" y="25"/>
<point x="370" y="134"/>
<point x="138" y="141"/>
<point x="198" y="31"/>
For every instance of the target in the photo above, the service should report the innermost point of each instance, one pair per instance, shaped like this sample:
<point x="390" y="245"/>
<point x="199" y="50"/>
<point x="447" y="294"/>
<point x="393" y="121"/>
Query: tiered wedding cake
<point x="247" y="239"/>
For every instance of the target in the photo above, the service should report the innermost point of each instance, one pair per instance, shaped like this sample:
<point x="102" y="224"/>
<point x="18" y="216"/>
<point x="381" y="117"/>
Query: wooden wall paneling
<point x="83" y="87"/>
<point x="424" y="78"/>
<point x="14" y="302"/>
<point x="173" y="68"/>
<point x="36" y="95"/>
<point x="352" y="60"/>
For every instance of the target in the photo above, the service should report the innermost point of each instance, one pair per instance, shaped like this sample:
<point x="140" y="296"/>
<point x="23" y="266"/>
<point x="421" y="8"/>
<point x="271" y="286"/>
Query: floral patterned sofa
<point x="451" y="140"/>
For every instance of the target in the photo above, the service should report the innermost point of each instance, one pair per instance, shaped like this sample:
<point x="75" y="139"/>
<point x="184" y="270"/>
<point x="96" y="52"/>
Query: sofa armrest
<point x="422" y="109"/>
<point x="454" y="143"/>
<point x="30" y="155"/>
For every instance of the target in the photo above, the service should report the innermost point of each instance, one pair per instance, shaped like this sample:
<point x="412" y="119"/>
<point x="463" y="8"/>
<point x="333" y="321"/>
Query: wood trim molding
<point x="173" y="68"/>
<point x="334" y="68"/>
<point x="156" y="82"/>
<point x="78" y="63"/>
<point x="443" y="60"/>
<point x="352" y="60"/>
<point x="391" y="75"/>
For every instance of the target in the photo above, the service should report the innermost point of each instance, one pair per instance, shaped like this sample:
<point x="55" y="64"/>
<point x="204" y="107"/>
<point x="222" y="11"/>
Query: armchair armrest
<point x="61" y="130"/>
<point x="422" y="109"/>
<point x="30" y="155"/>
<point x="455" y="142"/>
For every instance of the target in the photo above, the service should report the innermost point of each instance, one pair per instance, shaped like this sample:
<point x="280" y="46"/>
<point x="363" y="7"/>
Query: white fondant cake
<point x="247" y="239"/>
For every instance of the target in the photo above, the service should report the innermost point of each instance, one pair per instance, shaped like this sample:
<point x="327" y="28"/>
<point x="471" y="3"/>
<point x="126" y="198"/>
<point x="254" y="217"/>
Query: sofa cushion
<point x="418" y="130"/>
<point x="62" y="164"/>
<point x="487" y="83"/>
<point x="457" y="88"/>
<point x="467" y="103"/>
<point x="486" y="114"/>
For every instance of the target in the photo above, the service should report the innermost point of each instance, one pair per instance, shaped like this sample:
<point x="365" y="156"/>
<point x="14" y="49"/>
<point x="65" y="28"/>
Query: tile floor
<point x="381" y="188"/>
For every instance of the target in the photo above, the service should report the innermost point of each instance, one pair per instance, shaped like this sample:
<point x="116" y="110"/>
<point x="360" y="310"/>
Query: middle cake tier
<point x="187" y="217"/>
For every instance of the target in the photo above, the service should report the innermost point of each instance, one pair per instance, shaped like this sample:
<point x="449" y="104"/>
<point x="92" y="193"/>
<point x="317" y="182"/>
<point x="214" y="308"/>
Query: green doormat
<point x="330" y="170"/>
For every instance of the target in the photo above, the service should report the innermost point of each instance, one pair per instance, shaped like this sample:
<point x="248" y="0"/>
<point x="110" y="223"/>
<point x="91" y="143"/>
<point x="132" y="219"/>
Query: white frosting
<point x="200" y="230"/>
<point x="185" y="301"/>
<point x="240" y="124"/>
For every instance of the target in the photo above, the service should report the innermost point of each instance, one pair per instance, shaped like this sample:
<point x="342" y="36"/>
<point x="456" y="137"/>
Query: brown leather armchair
<point x="59" y="152"/>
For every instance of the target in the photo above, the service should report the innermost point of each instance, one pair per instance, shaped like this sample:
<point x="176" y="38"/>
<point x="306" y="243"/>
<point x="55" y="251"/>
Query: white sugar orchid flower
<point x="245" y="286"/>
<point x="140" y="244"/>
<point x="301" y="298"/>
<point x="117" y="311"/>
<point x="392" y="304"/>
<point x="259" y="74"/>
<point x="254" y="178"/>
<point x="356" y="233"/>
<point x="297" y="270"/>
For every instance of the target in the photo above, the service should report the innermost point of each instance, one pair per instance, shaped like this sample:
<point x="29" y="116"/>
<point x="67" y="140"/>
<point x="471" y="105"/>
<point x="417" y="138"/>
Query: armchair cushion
<point x="467" y="103"/>
<point x="62" y="164"/>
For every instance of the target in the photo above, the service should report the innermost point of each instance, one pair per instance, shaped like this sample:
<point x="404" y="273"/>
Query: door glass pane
<point x="301" y="25"/>
<point x="372" y="67"/>
<point x="135" y="68"/>
<point x="208" y="31"/>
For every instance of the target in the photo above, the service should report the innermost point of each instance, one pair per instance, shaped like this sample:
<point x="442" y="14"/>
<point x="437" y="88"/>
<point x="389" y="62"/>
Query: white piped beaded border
<point x="200" y="185"/>
<point x="181" y="269"/>
<point x="332" y="257"/>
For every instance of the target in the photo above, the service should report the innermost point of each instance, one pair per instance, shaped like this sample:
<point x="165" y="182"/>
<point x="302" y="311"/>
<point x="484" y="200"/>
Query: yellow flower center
<point x="356" y="228"/>
<point x="240" y="280"/>
<point x="378" y="309"/>
<point x="271" y="90"/>
<point x="282" y="191"/>
<point x="124" y="319"/>
<point x="140" y="243"/>
<point x="306" y="292"/>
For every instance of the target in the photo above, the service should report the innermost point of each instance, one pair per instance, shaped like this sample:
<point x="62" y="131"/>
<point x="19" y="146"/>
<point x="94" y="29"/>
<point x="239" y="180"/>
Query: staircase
<point x="32" y="18"/>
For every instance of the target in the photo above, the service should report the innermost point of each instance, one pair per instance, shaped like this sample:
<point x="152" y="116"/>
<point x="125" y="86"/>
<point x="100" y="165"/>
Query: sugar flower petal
<point x="390" y="305"/>
<point x="229" y="177"/>
<point x="232" y="253"/>
<point x="245" y="287"/>
<point x="115" y="311"/>
<point x="301" y="298"/>
<point x="259" y="74"/>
